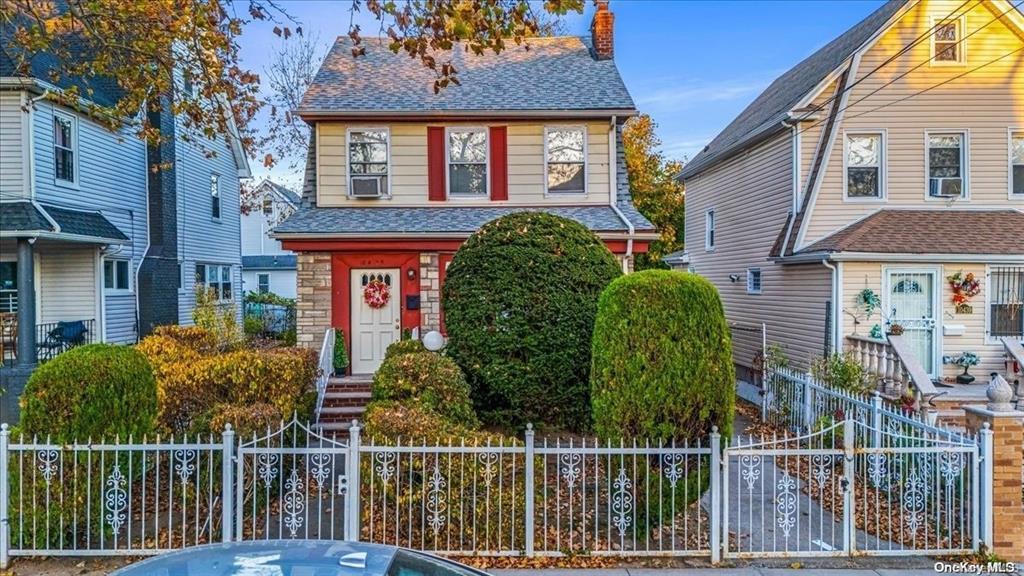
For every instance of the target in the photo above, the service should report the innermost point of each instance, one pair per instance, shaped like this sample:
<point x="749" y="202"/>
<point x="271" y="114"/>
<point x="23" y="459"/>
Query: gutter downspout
<point x="835" y="303"/>
<point x="613" y="190"/>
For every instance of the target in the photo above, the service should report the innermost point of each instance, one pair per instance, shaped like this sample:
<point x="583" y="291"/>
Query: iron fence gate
<point x="848" y="488"/>
<point x="292" y="483"/>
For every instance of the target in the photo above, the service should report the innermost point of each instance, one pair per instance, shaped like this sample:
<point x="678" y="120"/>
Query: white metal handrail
<point x="326" y="368"/>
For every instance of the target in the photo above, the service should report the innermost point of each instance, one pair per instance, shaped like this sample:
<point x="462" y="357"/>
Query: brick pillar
<point x="313" y="302"/>
<point x="1007" y="464"/>
<point x="430" y="292"/>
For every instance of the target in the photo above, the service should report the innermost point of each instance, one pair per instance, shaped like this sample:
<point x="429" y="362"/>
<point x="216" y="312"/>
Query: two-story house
<point x="267" y="268"/>
<point x="874" y="175"/>
<point x="398" y="177"/>
<point x="95" y="246"/>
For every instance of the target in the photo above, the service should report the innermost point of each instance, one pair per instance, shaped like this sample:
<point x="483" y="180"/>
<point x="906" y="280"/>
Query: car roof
<point x="218" y="559"/>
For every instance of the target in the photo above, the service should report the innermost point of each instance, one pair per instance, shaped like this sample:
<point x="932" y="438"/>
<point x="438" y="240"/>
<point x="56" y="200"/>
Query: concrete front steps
<point x="345" y="400"/>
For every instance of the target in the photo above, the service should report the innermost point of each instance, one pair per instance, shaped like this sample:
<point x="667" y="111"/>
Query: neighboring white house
<point x="266" y="267"/>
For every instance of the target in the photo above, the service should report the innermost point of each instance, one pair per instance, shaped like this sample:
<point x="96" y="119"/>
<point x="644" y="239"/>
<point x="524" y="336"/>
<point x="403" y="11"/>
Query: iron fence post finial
<point x="716" y="495"/>
<point x="529" y="479"/>
<point x="5" y="542"/>
<point x="352" y="519"/>
<point x="227" y="483"/>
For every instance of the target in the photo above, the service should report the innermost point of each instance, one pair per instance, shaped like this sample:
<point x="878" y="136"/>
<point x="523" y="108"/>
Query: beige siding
<point x="751" y="195"/>
<point x="985" y="102"/>
<point x="67" y="284"/>
<point x="810" y="133"/>
<point x="13" y="147"/>
<point x="409" y="166"/>
<point x="860" y="275"/>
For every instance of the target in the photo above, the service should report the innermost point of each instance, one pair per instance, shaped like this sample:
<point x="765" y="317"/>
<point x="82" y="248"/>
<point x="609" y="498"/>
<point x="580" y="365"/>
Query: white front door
<point x="913" y="304"/>
<point x="373" y="329"/>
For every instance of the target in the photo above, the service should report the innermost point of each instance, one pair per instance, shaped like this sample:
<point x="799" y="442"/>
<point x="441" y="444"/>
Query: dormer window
<point x="565" y="159"/>
<point x="368" y="168"/>
<point x="467" y="162"/>
<point x="268" y="206"/>
<point x="947" y="42"/>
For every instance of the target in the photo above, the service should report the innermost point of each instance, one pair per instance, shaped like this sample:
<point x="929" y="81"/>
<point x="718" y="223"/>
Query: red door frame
<point x="341" y="294"/>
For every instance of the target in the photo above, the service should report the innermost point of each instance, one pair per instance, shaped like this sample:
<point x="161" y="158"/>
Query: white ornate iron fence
<point x="848" y="488"/>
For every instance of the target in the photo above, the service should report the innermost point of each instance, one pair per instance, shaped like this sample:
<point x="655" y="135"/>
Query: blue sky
<point x="691" y="65"/>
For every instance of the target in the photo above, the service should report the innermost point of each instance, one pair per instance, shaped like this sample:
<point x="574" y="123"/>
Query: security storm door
<point x="912" y="303"/>
<point x="376" y="316"/>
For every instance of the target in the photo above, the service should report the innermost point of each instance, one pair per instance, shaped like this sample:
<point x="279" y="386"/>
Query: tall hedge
<point x="520" y="298"/>
<point x="662" y="358"/>
<point x="94" y="391"/>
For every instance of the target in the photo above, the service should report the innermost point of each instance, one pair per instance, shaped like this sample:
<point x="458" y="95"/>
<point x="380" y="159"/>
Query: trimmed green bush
<point x="94" y="391"/>
<point x="662" y="358"/>
<point x="339" y="357"/>
<point x="404" y="346"/>
<point x="428" y="380"/>
<point x="520" y="298"/>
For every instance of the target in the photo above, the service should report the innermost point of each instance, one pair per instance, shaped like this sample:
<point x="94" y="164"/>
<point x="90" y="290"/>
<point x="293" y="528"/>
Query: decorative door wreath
<point x="376" y="294"/>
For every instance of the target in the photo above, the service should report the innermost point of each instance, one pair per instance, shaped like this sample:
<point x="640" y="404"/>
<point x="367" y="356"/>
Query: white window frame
<point x="348" y="161"/>
<point x="961" y="52"/>
<point x="1011" y="133"/>
<point x="259" y="277"/>
<point x="268" y="201"/>
<point x="710" y="230"/>
<point x="883" y="161"/>
<point x="448" y="162"/>
<point x="219" y="282"/>
<point x="586" y="164"/>
<point x="114" y="262"/>
<point x="75" y="156"/>
<point x="751" y="272"/>
<point x="989" y="269"/>
<point x="216" y="198"/>
<point x="965" y="163"/>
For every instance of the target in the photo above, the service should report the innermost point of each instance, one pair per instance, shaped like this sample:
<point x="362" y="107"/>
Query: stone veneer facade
<point x="313" y="305"/>
<point x="430" y="292"/>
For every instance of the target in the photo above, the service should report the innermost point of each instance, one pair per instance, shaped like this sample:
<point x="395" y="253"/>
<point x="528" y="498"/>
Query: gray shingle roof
<point x="446" y="220"/>
<point x="556" y="73"/>
<point x="765" y="114"/>
<point x="269" y="262"/>
<point x="287" y="193"/>
<point x="26" y="217"/>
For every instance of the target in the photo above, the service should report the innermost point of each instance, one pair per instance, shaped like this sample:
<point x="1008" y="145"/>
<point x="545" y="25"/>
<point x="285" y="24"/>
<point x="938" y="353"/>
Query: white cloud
<point x="691" y="93"/>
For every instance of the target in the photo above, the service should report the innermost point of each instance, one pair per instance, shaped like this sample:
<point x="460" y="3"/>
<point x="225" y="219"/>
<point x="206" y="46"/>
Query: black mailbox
<point x="412" y="302"/>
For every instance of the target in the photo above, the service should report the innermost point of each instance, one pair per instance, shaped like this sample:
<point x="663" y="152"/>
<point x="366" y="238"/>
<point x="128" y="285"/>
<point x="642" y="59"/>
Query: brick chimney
<point x="602" y="31"/>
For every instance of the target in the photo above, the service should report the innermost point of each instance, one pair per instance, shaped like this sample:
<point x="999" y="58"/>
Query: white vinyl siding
<point x="67" y="284"/>
<point x="13" y="147"/>
<point x="407" y="182"/>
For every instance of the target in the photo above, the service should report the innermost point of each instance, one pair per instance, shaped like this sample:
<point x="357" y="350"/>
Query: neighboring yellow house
<point x="889" y="161"/>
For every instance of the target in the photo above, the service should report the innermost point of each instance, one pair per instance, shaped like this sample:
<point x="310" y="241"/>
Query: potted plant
<point x="340" y="359"/>
<point x="966" y="360"/>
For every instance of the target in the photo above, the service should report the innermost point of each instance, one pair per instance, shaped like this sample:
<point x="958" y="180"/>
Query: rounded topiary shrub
<point x="404" y="347"/>
<point x="519" y="299"/>
<point x="662" y="358"/>
<point x="94" y="391"/>
<point x="428" y="380"/>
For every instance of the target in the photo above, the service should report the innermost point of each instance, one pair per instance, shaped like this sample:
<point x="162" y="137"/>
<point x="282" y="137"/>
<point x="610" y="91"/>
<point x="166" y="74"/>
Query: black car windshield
<point x="412" y="564"/>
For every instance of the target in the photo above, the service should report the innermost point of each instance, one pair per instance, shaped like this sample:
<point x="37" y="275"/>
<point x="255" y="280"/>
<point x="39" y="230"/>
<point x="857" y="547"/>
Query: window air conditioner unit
<point x="946" y="187"/>
<point x="367" y="186"/>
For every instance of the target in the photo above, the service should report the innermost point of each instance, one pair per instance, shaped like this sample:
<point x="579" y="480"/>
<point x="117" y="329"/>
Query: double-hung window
<point x="116" y="275"/>
<point x="1006" y="302"/>
<point x="864" y="164"/>
<point x="368" y="162"/>
<point x="216" y="277"/>
<point x="263" y="283"/>
<point x="215" y="196"/>
<point x="268" y="205"/>
<point x="947" y="164"/>
<point x="65" y="145"/>
<point x="467" y="162"/>
<point x="1017" y="164"/>
<point x="709" y="230"/>
<point x="565" y="160"/>
<point x="753" y="280"/>
<point x="947" y="42"/>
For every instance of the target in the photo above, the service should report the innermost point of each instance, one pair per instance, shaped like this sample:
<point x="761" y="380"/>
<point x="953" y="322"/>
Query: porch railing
<point x="896" y="366"/>
<point x="326" y="369"/>
<point x="54" y="338"/>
